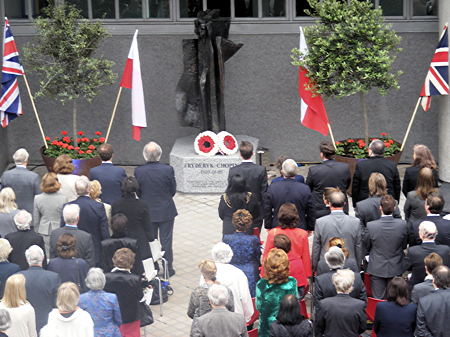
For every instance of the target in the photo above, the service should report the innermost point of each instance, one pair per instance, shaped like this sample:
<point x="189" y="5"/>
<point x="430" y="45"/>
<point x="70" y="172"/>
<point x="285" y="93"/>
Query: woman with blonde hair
<point x="8" y="208"/>
<point x="48" y="208"/>
<point x="271" y="289"/>
<point x="6" y="268"/>
<point x="64" y="168"/>
<point x="422" y="157"/>
<point x="23" y="320"/>
<point x="68" y="319"/>
<point x="95" y="191"/>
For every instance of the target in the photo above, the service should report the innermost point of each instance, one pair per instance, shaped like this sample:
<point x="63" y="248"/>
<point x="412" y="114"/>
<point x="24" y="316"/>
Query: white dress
<point x="23" y="321"/>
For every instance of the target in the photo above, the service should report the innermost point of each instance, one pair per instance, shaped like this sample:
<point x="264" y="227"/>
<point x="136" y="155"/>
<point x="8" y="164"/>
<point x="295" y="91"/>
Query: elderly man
<point x="434" y="309"/>
<point x="23" y="239"/>
<point x="41" y="285"/>
<point x="415" y="255"/>
<point x="84" y="243"/>
<point x="324" y="287"/>
<point x="219" y="321"/>
<point x="289" y="190"/>
<point x="375" y="163"/>
<point x="426" y="287"/>
<point x="109" y="176"/>
<point x="157" y="188"/>
<point x="330" y="173"/>
<point x="92" y="218"/>
<point x="337" y="224"/>
<point x="24" y="183"/>
<point x="341" y="315"/>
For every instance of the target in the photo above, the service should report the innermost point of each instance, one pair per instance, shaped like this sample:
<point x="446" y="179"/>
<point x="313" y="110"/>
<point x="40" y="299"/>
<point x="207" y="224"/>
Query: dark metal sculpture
<point x="203" y="77"/>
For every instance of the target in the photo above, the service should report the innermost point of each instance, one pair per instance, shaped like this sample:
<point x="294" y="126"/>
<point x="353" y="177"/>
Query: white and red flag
<point x="313" y="113"/>
<point x="132" y="79"/>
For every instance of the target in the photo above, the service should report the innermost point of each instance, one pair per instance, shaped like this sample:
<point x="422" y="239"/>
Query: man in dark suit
<point x="375" y="163"/>
<point x="385" y="241"/>
<point x="22" y="239"/>
<point x="426" y="287"/>
<point x="109" y="176"/>
<point x="323" y="285"/>
<point x="289" y="190"/>
<point x="84" y="244"/>
<point x="434" y="309"/>
<point x="157" y="188"/>
<point x="254" y="175"/>
<point x="24" y="183"/>
<point x="341" y="315"/>
<point x="415" y="256"/>
<point x="41" y="285"/>
<point x="330" y="173"/>
<point x="92" y="216"/>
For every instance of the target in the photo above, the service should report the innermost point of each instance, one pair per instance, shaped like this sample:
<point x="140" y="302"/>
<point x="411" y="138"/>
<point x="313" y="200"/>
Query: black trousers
<point x="165" y="231"/>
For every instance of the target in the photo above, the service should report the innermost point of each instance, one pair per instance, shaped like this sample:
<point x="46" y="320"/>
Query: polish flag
<point x="313" y="113"/>
<point x="132" y="79"/>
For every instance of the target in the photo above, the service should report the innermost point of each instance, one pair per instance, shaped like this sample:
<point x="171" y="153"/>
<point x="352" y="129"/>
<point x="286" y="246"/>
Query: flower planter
<point x="82" y="166"/>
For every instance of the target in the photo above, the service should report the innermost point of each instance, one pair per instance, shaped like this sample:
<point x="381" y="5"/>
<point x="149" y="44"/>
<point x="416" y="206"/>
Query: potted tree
<point x="62" y="55"/>
<point x="351" y="50"/>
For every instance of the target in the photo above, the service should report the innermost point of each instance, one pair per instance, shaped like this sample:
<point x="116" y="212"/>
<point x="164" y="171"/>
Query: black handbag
<point x="166" y="291"/>
<point x="145" y="314"/>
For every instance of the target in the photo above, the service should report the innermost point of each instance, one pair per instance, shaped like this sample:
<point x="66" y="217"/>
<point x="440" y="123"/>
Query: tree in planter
<point x="351" y="50"/>
<point x="62" y="54"/>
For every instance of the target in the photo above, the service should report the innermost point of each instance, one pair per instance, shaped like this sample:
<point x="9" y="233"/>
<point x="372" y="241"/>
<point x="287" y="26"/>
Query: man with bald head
<point x="415" y="255"/>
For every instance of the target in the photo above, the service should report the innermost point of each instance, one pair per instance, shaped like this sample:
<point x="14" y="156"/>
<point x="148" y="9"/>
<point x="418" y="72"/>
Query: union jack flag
<point x="10" y="105"/>
<point x="436" y="81"/>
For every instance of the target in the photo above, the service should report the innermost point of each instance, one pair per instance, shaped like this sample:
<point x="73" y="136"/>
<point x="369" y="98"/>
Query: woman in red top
<point x="288" y="219"/>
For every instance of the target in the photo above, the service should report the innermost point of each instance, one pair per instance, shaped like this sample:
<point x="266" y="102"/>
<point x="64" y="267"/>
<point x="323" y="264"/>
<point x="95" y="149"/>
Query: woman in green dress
<point x="271" y="289"/>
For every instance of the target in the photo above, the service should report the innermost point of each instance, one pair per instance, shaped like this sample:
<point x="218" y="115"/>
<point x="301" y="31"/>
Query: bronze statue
<point x="203" y="76"/>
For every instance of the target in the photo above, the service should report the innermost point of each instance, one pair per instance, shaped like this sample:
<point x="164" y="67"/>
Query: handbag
<point x="145" y="314"/>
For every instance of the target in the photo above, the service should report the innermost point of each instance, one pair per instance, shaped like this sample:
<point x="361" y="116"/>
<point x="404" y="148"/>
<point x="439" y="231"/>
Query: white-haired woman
<point x="6" y="268"/>
<point x="68" y="319"/>
<point x="102" y="306"/>
<point x="8" y="208"/>
<point x="5" y="322"/>
<point x="233" y="278"/>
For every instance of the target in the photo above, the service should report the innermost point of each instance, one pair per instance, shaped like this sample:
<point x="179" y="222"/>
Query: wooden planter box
<point x="82" y="166"/>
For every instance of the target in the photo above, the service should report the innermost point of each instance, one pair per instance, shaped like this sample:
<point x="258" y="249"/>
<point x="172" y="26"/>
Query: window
<point x="190" y="8"/>
<point x="273" y="8"/>
<point x="82" y="5"/>
<point x="300" y="6"/>
<point x="425" y="7"/>
<point x="157" y="9"/>
<point x="391" y="7"/>
<point x="103" y="9"/>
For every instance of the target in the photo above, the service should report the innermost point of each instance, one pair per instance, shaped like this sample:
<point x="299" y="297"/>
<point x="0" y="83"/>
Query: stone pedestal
<point x="198" y="174"/>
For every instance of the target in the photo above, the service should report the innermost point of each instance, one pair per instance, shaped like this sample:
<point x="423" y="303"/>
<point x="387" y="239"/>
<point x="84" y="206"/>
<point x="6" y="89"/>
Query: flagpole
<point x="35" y="110"/>
<point x="331" y="135"/>
<point x="410" y="124"/>
<point x="113" y="114"/>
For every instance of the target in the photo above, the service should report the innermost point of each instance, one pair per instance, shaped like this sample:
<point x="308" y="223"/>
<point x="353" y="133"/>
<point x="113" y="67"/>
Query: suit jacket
<point x="442" y="225"/>
<point x="369" y="210"/>
<point x="415" y="255"/>
<point x="92" y="220"/>
<point x="25" y="185"/>
<point x="340" y="225"/>
<point x="219" y="322"/>
<point x="47" y="211"/>
<point x="109" y="247"/>
<point x="422" y="289"/>
<point x="340" y="316"/>
<point x="110" y="177"/>
<point x="157" y="188"/>
<point x="414" y="208"/>
<point x="288" y="190"/>
<point x="410" y="179"/>
<point x="330" y="173"/>
<point x="255" y="177"/>
<point x="7" y="224"/>
<point x="360" y="186"/>
<point x="41" y="286"/>
<point x="84" y="244"/>
<point x="386" y="239"/>
<point x="20" y="241"/>
<point x="432" y="314"/>
<point x="6" y="270"/>
<point x="393" y="320"/>
<point x="323" y="287"/>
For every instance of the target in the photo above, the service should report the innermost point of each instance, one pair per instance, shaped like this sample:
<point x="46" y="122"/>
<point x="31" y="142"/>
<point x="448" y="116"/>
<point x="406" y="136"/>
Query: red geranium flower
<point x="64" y="145"/>
<point x="383" y="134"/>
<point x="91" y="147"/>
<point x="55" y="142"/>
<point x="70" y="147"/>
<point x="64" y="133"/>
<point x="84" y="139"/>
<point x="350" y="140"/>
<point x="98" y="133"/>
<point x="77" y="148"/>
<point x="80" y="133"/>
<point x="47" y="138"/>
<point x="387" y="144"/>
<point x="391" y="141"/>
<point x="78" y="140"/>
<point x="95" y="139"/>
<point x="101" y="139"/>
<point x="89" y="151"/>
<point x="338" y="143"/>
<point x="66" y="139"/>
<point x="81" y="152"/>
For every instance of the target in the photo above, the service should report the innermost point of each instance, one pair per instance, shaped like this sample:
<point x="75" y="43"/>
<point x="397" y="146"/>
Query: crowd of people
<point x="72" y="248"/>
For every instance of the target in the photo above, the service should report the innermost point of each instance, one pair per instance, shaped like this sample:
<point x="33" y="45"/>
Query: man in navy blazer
<point x="92" y="216"/>
<point x="157" y="187"/>
<point x="109" y="176"/>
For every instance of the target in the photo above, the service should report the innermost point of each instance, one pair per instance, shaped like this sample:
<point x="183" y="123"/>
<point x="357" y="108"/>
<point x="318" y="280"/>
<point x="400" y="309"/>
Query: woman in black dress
<point x="236" y="197"/>
<point x="422" y="157"/>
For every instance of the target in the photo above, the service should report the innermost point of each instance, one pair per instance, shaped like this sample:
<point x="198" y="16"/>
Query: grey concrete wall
<point x="261" y="100"/>
<point x="4" y="156"/>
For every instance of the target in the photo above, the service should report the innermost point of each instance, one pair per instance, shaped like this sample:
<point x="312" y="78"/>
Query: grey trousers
<point x="379" y="286"/>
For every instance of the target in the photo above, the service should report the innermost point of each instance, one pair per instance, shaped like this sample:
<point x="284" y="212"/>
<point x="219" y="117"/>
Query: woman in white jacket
<point x="68" y="320"/>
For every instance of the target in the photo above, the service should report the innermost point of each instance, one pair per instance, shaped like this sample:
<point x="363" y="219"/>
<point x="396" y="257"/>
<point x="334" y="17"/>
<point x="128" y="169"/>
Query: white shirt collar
<point x="107" y="162"/>
<point x="20" y="165"/>
<point x="247" y="161"/>
<point x="428" y="277"/>
<point x="431" y="214"/>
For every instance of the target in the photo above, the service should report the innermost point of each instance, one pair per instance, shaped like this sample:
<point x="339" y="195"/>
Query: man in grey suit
<point x="41" y="285"/>
<point x="219" y="321"/>
<point x="385" y="240"/>
<point x="24" y="183"/>
<point x="426" y="287"/>
<point x="84" y="243"/>
<point x="337" y="224"/>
